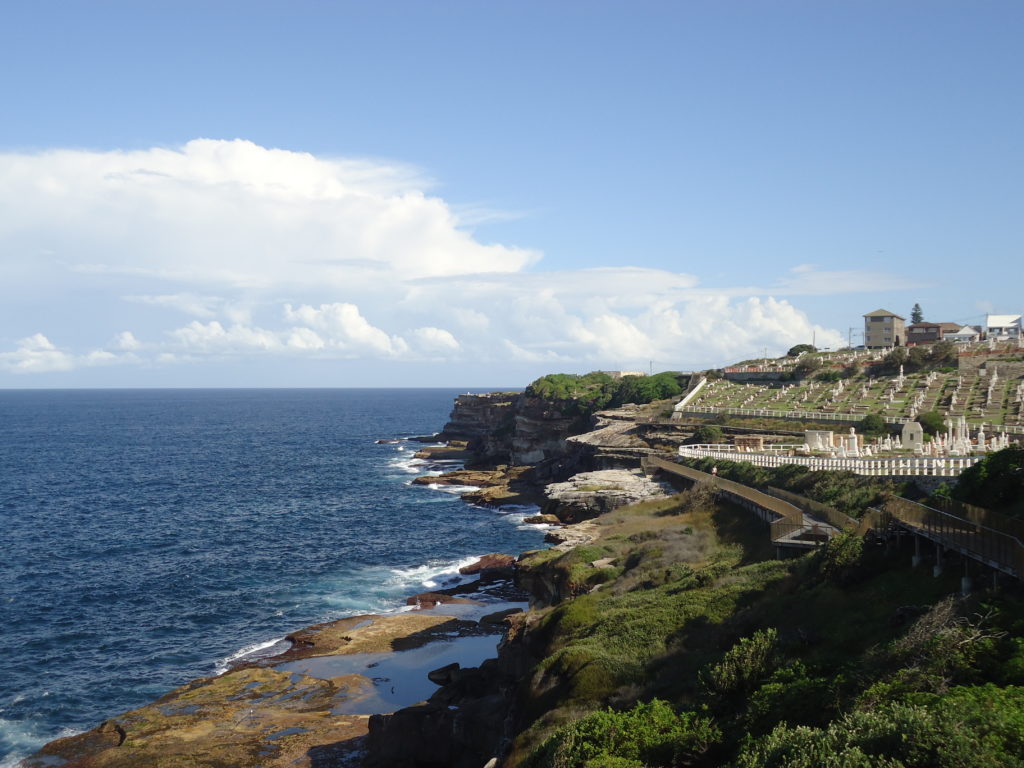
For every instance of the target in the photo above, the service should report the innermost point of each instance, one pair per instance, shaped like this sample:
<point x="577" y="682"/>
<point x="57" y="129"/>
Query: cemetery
<point x="985" y="388"/>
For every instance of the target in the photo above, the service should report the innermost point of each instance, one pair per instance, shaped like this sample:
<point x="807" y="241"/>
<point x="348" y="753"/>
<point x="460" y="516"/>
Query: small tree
<point x="708" y="433"/>
<point x="916" y="315"/>
<point x="799" y="349"/>
<point x="932" y="422"/>
<point x="873" y="425"/>
<point x="895" y="358"/>
<point x="807" y="366"/>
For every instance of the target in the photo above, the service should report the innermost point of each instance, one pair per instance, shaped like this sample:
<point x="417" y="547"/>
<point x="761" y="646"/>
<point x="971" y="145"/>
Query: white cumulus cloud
<point x="272" y="252"/>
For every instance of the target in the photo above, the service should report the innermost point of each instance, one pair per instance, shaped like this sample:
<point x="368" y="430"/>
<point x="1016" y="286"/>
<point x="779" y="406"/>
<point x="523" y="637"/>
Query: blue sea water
<point x="149" y="536"/>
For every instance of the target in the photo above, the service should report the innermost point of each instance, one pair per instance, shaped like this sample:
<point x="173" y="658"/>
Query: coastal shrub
<point x="708" y="433"/>
<point x="588" y="672"/>
<point x="791" y="691"/>
<point x="649" y="734"/>
<point x="840" y="560"/>
<point x="806" y="367"/>
<point x="745" y="664"/>
<point x="583" y="395"/>
<point x="970" y="728"/>
<point x="845" y="491"/>
<point x="947" y="645"/>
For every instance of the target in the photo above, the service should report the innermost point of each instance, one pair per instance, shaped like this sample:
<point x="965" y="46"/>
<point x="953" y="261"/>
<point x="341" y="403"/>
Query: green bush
<point x="799" y="349"/>
<point x="873" y="425"/>
<point x="745" y="664"/>
<point x="708" y="433"/>
<point x="840" y="560"/>
<point x="997" y="481"/>
<point x="969" y="728"/>
<point x="594" y="391"/>
<point x="932" y="422"/>
<point x="650" y="734"/>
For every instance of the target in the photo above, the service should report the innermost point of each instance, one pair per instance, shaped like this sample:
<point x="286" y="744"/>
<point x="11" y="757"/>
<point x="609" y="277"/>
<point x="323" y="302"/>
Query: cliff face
<point x="511" y="428"/>
<point x="485" y="423"/>
<point x="541" y="427"/>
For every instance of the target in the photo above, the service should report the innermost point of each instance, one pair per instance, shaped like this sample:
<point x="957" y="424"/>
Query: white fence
<point x="852" y="418"/>
<point x="950" y="466"/>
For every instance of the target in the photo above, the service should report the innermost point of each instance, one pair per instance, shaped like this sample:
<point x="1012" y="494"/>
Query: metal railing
<point x="996" y="548"/>
<point x="785" y="519"/>
<point x="816" y="509"/>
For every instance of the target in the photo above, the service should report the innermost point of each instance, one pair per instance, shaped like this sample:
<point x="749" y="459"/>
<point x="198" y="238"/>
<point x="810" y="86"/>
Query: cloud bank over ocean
<point x="226" y="250"/>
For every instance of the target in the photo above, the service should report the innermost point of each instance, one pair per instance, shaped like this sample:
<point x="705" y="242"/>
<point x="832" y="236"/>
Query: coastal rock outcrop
<point x="485" y="423"/>
<point x="513" y="429"/>
<point x="590" y="494"/>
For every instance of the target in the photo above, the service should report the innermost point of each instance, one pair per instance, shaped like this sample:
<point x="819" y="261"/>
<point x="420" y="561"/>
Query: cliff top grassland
<point x="674" y="640"/>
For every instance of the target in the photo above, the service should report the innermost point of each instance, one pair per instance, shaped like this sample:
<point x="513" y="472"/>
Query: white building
<point x="1002" y="327"/>
<point x="966" y="335"/>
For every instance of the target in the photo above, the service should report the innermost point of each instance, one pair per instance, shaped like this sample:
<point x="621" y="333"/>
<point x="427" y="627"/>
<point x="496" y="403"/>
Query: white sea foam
<point x="457" y="490"/>
<point x="252" y="651"/>
<point x="410" y="464"/>
<point x="20" y="739"/>
<point x="433" y="574"/>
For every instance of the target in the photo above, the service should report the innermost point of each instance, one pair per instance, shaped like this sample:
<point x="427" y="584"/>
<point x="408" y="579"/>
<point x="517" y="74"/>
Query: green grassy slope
<point x="686" y="645"/>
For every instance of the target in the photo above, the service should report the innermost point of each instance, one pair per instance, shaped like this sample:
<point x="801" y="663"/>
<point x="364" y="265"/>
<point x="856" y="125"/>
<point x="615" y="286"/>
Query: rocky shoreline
<point x="314" y="704"/>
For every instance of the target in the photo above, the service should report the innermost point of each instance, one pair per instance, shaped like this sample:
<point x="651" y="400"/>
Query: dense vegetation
<point x="595" y="391"/>
<point x="693" y="649"/>
<point x="924" y="357"/>
<point x="995" y="482"/>
<point x="849" y="493"/>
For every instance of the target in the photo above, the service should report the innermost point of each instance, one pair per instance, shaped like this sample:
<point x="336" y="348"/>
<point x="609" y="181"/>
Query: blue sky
<point x="466" y="193"/>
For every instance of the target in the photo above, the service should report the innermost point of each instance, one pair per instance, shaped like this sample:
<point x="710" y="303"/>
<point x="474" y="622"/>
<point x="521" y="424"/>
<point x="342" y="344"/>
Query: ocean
<point x="151" y="536"/>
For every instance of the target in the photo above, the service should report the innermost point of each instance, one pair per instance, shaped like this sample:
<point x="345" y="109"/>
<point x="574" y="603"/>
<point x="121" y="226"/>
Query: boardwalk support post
<point x="916" y="559"/>
<point x="965" y="581"/>
<point x="937" y="568"/>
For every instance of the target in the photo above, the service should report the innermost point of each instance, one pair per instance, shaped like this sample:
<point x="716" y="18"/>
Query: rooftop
<point x="999" y="321"/>
<point x="883" y="313"/>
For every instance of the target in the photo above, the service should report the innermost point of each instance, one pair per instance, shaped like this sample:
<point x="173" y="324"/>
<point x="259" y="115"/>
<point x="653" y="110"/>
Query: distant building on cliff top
<point x="621" y="374"/>
<point x="966" y="334"/>
<point x="924" y="333"/>
<point x="883" y="328"/>
<point x="1002" y="327"/>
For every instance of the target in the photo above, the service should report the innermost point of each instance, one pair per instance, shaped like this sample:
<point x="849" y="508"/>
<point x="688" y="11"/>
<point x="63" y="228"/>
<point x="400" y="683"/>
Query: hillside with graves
<point x="980" y="385"/>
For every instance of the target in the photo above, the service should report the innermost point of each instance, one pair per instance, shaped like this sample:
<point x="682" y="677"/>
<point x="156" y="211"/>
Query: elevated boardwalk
<point x="791" y="526"/>
<point x="983" y="536"/>
<point x="997" y="543"/>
